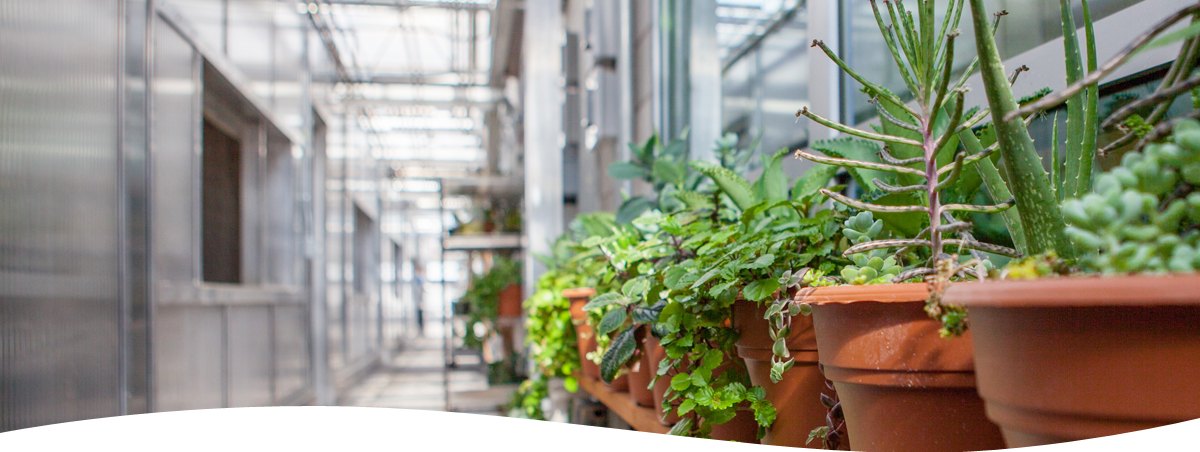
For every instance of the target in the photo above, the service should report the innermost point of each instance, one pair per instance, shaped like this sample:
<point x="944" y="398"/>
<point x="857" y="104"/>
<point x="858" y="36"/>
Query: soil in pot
<point x="585" y="339"/>
<point x="509" y="304"/>
<point x="797" y="397"/>
<point x="1065" y="359"/>
<point x="902" y="387"/>
<point x="640" y="374"/>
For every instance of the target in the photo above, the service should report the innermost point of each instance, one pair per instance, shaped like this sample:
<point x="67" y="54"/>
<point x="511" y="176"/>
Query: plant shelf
<point x="641" y="418"/>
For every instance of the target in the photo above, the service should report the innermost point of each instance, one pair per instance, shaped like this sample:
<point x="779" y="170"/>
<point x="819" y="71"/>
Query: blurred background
<point x="223" y="203"/>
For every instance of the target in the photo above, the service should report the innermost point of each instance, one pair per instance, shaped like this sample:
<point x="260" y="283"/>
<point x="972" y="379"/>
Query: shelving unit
<point x="642" y="419"/>
<point x="484" y="242"/>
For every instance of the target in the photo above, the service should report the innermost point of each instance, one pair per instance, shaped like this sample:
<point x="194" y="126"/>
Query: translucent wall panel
<point x="58" y="232"/>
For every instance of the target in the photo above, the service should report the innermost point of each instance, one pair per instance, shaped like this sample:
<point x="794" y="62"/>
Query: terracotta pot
<point x="902" y="387"/>
<point x="655" y="354"/>
<point x="510" y="301"/>
<point x="585" y="339"/>
<point x="619" y="384"/>
<point x="797" y="397"/>
<point x="640" y="373"/>
<point x="742" y="428"/>
<point x="1063" y="359"/>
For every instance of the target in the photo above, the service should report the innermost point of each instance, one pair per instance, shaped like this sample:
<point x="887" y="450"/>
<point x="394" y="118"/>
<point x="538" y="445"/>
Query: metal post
<point x="824" y="87"/>
<point x="447" y="320"/>
<point x="543" y="79"/>
<point x="703" y="79"/>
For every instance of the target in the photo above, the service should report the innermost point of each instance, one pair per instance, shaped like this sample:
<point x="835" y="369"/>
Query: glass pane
<point x="783" y="68"/>
<point x="1029" y="24"/>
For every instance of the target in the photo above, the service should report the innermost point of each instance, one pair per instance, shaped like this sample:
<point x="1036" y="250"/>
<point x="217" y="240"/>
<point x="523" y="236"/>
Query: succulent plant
<point x="1143" y="215"/>
<point x="872" y="267"/>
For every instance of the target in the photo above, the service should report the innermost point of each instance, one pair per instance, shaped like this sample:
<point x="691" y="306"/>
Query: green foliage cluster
<point x="550" y="332"/>
<point x="483" y="297"/>
<point x="1143" y="215"/>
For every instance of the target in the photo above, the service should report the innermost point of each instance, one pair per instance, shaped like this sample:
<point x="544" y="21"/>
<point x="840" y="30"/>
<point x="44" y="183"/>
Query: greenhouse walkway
<point x="413" y="378"/>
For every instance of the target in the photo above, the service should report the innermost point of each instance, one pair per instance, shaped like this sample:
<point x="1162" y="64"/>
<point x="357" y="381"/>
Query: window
<point x="221" y="205"/>
<point x="365" y="270"/>
<point x="764" y="87"/>
<point x="1029" y="24"/>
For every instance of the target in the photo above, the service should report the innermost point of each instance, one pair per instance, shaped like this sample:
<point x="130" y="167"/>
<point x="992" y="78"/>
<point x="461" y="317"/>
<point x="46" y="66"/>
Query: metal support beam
<point x="824" y="87"/>
<point x="704" y="79"/>
<point x="543" y="79"/>
<point x="404" y="4"/>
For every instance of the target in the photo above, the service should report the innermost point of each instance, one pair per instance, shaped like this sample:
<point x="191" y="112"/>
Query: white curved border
<point x="371" y="429"/>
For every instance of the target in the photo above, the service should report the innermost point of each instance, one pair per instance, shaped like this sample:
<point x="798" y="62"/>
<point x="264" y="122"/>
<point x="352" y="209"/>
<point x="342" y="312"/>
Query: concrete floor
<point x="414" y="378"/>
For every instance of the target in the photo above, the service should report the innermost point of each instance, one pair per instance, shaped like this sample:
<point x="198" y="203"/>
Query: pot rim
<point x="879" y="293"/>
<point x="1080" y="291"/>
<point x="579" y="292"/>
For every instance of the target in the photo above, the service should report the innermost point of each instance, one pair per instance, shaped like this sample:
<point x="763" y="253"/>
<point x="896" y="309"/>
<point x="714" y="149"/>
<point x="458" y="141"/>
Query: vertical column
<point x="704" y="79"/>
<point x="543" y="91"/>
<point x="134" y="196"/>
<point x="825" y="87"/>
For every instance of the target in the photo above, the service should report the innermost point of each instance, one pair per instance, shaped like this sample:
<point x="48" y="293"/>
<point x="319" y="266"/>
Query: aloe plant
<point x="921" y="154"/>
<point x="1177" y="81"/>
<point x="1038" y="194"/>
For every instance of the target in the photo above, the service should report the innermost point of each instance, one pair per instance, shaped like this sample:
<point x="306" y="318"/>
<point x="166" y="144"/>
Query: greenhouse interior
<point x="804" y="223"/>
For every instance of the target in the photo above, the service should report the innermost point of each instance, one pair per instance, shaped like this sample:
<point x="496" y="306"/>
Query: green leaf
<point x="856" y="149"/>
<point x="606" y="299"/>
<point x="645" y="315"/>
<point x="626" y="171"/>
<point x="761" y="289"/>
<point x="1173" y="37"/>
<point x="680" y="382"/>
<point x="732" y="184"/>
<point x="762" y="262"/>
<point x="812" y="180"/>
<point x="669" y="172"/>
<point x="617" y="355"/>
<point x="682" y="427"/>
<point x="636" y="288"/>
<point x="780" y="348"/>
<point x="686" y="407"/>
<point x="632" y="208"/>
<point x="611" y="321"/>
<point x="772" y="184"/>
<point x="571" y="384"/>
<point x="817" y="433"/>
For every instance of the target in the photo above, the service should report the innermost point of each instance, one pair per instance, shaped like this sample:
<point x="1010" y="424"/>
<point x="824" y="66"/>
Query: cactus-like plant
<point x="1038" y="195"/>
<point x="921" y="157"/>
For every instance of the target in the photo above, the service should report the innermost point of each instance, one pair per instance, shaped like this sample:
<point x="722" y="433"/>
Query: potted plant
<point x="1066" y="358"/>
<point x="777" y="230"/>
<point x="891" y="346"/>
<point x="490" y="298"/>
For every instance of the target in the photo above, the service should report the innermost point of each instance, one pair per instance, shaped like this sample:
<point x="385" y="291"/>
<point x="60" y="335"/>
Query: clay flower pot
<point x="585" y="338"/>
<point x="1062" y="359"/>
<point x="902" y="387"/>
<point x="655" y="354"/>
<point x="510" y="301"/>
<point x="640" y="373"/>
<point x="742" y="428"/>
<point x="797" y="396"/>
